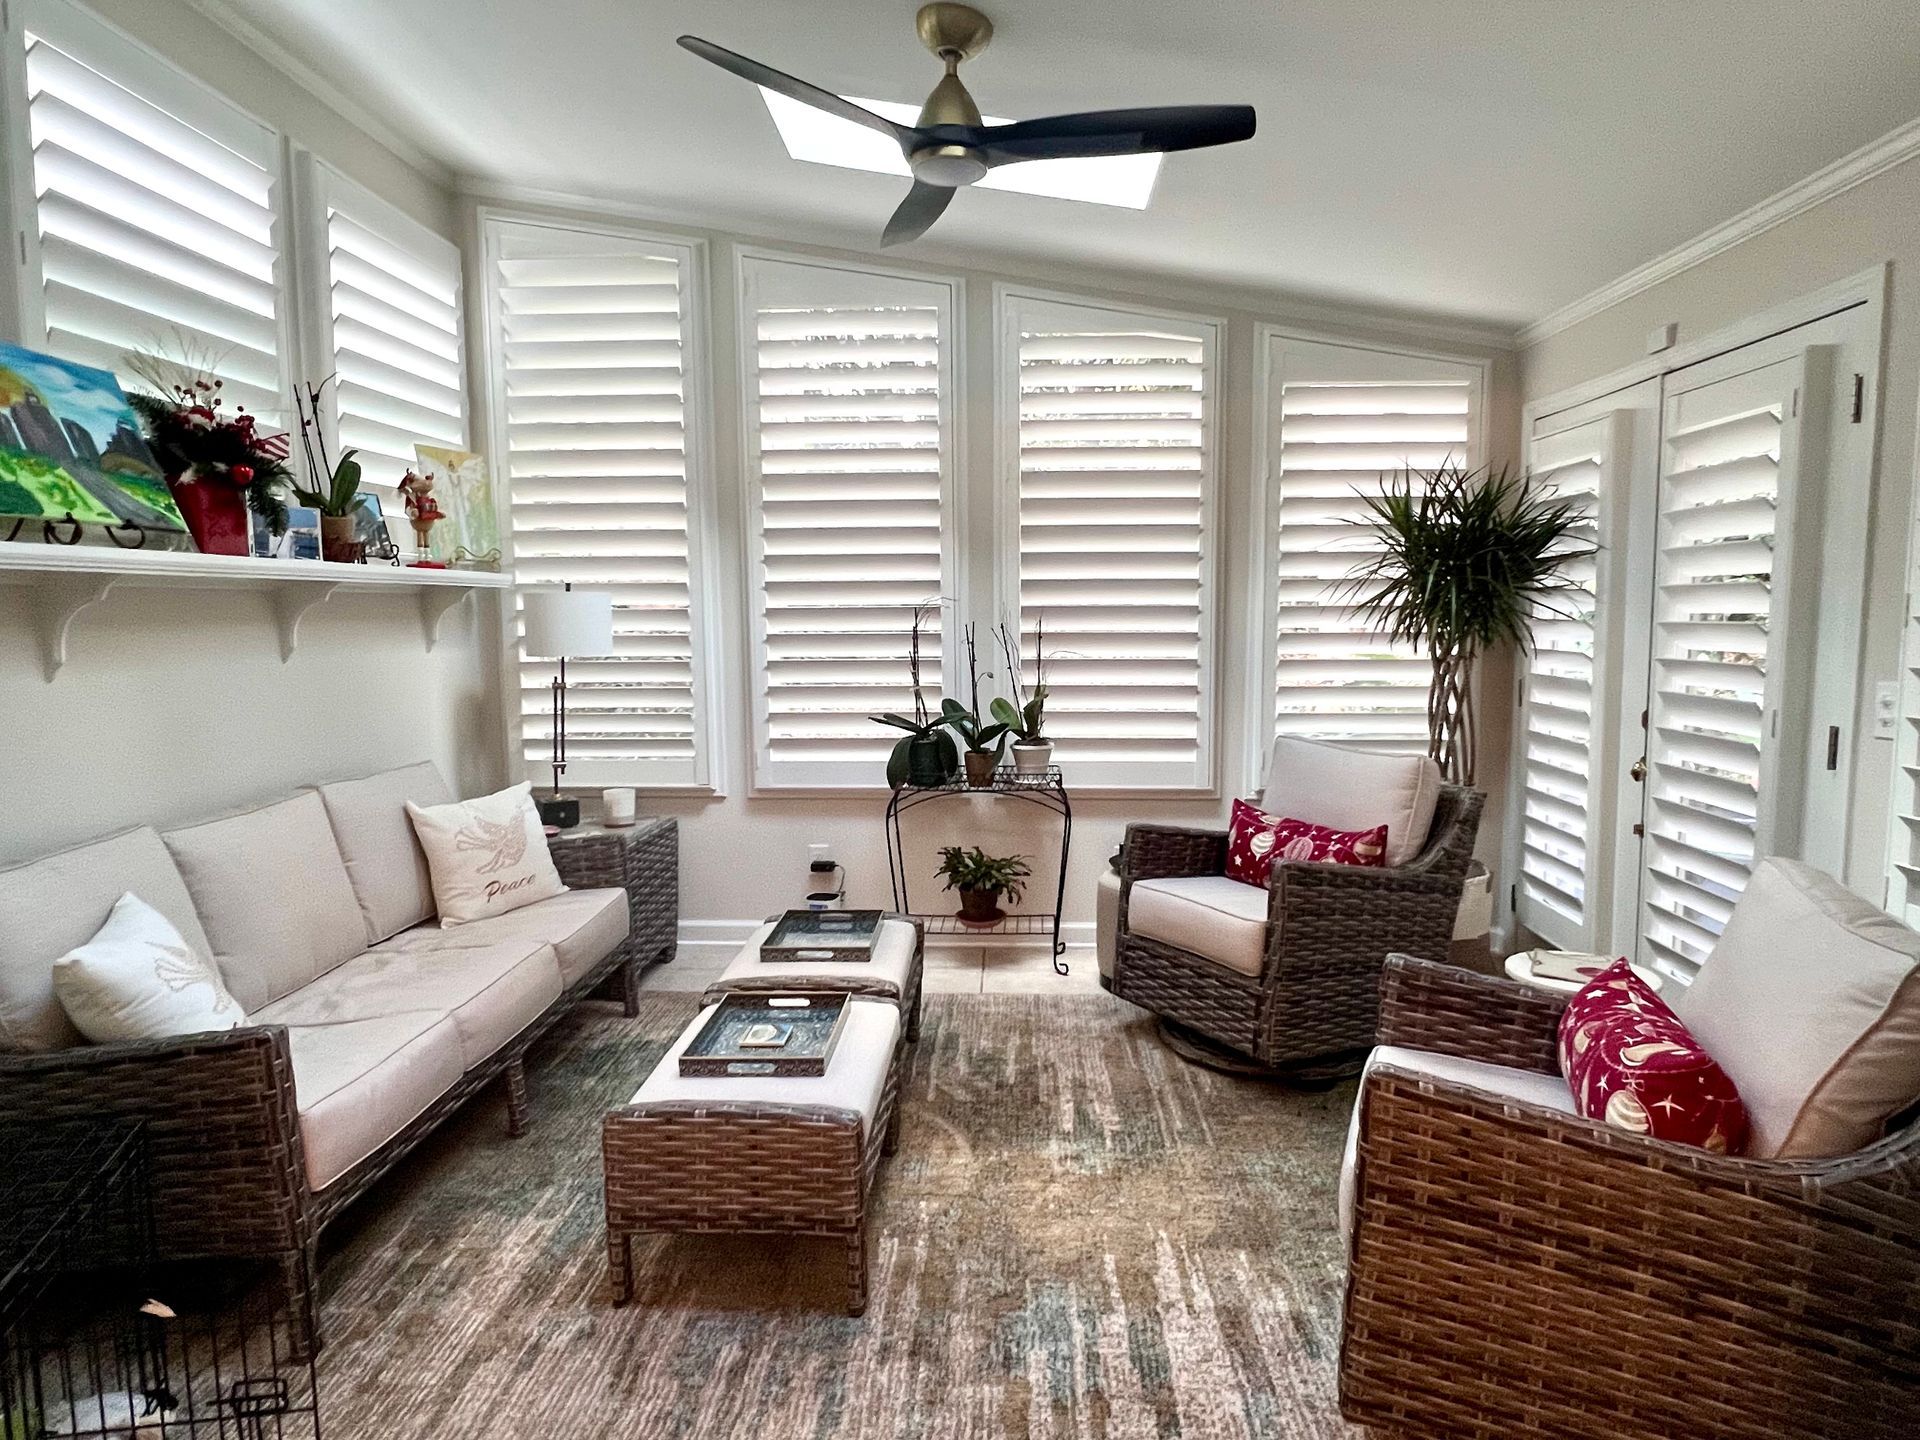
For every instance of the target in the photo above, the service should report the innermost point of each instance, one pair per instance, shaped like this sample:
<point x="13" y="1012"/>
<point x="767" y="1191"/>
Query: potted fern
<point x="981" y="880"/>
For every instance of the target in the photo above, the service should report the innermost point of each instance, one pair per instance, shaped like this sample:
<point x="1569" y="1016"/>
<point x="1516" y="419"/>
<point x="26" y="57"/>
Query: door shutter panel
<point x="1562" y="771"/>
<point x="592" y="349"/>
<point x="1117" y="474"/>
<point x="158" y="212"/>
<point x="393" y="331"/>
<point x="1339" y="419"/>
<point x="1719" y="730"/>
<point x="850" y="468"/>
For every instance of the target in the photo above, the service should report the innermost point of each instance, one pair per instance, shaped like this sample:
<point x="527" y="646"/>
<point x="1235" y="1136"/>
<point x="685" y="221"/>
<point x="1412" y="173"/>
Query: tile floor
<point x="950" y="970"/>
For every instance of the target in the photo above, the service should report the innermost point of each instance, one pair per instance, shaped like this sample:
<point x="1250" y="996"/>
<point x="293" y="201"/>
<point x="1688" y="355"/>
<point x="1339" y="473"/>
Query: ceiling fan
<point x="950" y="147"/>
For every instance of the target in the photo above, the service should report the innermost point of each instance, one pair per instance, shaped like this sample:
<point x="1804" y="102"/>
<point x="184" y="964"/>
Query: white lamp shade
<point x="566" y="624"/>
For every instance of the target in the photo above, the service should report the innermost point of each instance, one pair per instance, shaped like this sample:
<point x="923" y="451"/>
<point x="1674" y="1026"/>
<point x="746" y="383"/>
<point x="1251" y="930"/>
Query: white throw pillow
<point x="137" y="979"/>
<point x="486" y="856"/>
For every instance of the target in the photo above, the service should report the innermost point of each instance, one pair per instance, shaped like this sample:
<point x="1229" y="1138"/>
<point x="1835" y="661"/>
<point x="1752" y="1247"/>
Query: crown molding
<point x="1172" y="290"/>
<point x="1894" y="148"/>
<point x="306" y="75"/>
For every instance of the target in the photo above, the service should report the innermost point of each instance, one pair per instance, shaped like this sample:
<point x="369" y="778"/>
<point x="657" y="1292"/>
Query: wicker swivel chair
<point x="1302" y="986"/>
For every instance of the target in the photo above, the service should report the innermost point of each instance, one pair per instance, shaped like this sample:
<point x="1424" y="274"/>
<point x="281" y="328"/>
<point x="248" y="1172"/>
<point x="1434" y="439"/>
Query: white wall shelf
<point x="61" y="583"/>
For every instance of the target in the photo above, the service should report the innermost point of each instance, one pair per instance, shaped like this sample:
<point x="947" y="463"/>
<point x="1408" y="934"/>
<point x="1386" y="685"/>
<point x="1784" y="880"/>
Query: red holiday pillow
<point x="1631" y="1063"/>
<point x="1256" y="839"/>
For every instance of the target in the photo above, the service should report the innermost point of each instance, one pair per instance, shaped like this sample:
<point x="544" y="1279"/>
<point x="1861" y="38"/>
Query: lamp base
<point x="562" y="811"/>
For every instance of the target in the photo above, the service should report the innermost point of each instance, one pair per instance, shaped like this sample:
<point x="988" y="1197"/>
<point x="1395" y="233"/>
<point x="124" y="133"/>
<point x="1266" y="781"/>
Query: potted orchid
<point x="1023" y="711"/>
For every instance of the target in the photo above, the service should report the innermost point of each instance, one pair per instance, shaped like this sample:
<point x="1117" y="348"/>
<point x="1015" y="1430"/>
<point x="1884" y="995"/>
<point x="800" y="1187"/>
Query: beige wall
<point x="175" y="703"/>
<point x="1875" y="222"/>
<point x="745" y="855"/>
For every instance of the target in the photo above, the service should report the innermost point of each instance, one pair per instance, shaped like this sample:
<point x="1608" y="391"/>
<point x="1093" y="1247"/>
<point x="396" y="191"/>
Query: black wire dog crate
<point x="96" y="1339"/>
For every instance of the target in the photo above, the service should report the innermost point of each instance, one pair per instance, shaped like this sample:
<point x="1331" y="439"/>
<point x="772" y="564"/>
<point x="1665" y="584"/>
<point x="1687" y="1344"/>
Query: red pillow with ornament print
<point x="1631" y="1062"/>
<point x="1256" y="839"/>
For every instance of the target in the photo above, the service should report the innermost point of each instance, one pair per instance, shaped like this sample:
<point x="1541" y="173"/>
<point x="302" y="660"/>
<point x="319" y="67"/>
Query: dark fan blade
<point x="924" y="205"/>
<point x="795" y="89"/>
<point x="1117" y="132"/>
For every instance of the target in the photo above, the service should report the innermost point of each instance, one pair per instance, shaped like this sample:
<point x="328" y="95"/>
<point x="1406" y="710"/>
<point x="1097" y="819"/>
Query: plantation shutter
<point x="1562" y="768"/>
<point x="592" y="349"/>
<point x="850" y="473"/>
<point x="1903" y="846"/>
<point x="1717" y="743"/>
<point x="1341" y="418"/>
<point x="1117" y="471"/>
<point x="158" y="213"/>
<point x="393" y="331"/>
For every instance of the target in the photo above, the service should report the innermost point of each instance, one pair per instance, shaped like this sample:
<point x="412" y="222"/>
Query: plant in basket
<point x="981" y="880"/>
<point x="219" y="462"/>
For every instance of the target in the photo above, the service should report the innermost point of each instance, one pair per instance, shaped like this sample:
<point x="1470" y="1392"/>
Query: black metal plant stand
<point x="1042" y="788"/>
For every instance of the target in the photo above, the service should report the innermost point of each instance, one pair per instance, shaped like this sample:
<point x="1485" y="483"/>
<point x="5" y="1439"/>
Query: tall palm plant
<point x="1467" y="560"/>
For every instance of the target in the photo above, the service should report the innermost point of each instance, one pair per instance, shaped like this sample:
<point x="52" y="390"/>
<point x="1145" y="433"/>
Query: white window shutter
<point x="1117" y="471"/>
<point x="593" y="344"/>
<point x="847" y="378"/>
<point x="1339" y="418"/>
<point x="158" y="208"/>
<point x="393" y="331"/>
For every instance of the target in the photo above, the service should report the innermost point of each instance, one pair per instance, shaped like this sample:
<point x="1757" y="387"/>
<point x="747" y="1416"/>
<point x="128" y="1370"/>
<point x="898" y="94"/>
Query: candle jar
<point x="617" y="807"/>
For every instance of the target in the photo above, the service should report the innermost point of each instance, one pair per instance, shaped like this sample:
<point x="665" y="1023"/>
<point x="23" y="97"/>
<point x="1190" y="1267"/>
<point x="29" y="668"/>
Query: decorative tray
<point x="762" y="1035"/>
<point x="822" y="935"/>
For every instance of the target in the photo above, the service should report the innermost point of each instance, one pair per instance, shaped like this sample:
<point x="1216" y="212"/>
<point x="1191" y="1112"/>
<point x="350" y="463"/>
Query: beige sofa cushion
<point x="856" y="1075"/>
<point x="358" y="1083"/>
<point x="138" y="979"/>
<point x="492" y="993"/>
<point x="51" y="905"/>
<point x="274" y="896"/>
<point x="1208" y="914"/>
<point x="384" y="860"/>
<point x="582" y="926"/>
<point x="1355" y="790"/>
<point x="1811" y="1004"/>
<point x="1548" y="1092"/>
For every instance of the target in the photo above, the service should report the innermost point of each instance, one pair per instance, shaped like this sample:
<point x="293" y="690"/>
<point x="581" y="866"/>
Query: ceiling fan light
<point x="949" y="165"/>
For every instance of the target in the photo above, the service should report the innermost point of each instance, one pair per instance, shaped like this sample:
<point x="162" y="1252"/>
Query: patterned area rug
<point x="1081" y="1236"/>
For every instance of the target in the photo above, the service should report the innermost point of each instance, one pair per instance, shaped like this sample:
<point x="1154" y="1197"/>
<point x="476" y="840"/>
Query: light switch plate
<point x="1886" y="709"/>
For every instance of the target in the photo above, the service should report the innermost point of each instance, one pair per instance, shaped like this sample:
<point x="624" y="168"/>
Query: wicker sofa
<point x="368" y="1023"/>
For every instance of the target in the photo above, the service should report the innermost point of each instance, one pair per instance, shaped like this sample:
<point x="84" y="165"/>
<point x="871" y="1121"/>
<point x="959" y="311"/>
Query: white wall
<point x="175" y="704"/>
<point x="745" y="855"/>
<point x="1871" y="224"/>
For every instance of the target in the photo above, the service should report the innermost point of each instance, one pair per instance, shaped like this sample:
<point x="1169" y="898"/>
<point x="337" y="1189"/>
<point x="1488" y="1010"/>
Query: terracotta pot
<point x="980" y="907"/>
<point x="337" y="542"/>
<point x="979" y="768"/>
<point x="216" y="514"/>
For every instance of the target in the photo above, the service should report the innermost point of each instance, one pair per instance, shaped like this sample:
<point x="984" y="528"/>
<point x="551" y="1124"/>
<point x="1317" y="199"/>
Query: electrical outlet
<point x="1886" y="709"/>
<point x="817" y="853"/>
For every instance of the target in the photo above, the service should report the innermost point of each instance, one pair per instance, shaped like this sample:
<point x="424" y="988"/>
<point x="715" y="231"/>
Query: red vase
<point x="216" y="515"/>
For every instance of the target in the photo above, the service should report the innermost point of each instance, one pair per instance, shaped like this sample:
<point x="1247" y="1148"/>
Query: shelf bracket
<point x="290" y="606"/>
<point x="434" y="605"/>
<point x="56" y="603"/>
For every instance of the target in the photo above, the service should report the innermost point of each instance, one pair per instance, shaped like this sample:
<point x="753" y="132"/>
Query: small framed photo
<point x="370" y="528"/>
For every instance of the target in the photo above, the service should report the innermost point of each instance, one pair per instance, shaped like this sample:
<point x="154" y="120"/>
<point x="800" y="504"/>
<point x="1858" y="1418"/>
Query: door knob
<point x="1639" y="770"/>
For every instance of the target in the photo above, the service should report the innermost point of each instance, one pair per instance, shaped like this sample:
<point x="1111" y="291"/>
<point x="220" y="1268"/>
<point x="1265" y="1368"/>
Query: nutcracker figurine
<point x="423" y="513"/>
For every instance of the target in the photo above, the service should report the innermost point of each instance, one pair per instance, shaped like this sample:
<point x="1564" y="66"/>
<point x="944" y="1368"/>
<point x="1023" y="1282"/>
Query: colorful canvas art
<point x="72" y="455"/>
<point x="469" y="536"/>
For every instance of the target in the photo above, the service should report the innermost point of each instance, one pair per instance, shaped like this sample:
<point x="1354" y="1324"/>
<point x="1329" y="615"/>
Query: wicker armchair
<point x="1329" y="927"/>
<point x="1517" y="1271"/>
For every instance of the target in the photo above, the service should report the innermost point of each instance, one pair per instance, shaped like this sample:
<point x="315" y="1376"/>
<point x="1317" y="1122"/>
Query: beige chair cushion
<point x="274" y="895"/>
<point x="856" y="1075"/>
<point x="1207" y="914"/>
<point x="486" y="856"/>
<point x="1355" y="790"/>
<point x="138" y="979"/>
<point x="582" y="926"/>
<point x="1548" y="1092"/>
<point x="892" y="961"/>
<point x="492" y="993"/>
<point x="358" y="1083"/>
<point x="382" y="854"/>
<point x="1811" y="1004"/>
<point x="49" y="906"/>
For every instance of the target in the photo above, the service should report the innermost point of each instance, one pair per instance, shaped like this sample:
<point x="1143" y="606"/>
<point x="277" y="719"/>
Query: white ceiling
<point x="1474" y="159"/>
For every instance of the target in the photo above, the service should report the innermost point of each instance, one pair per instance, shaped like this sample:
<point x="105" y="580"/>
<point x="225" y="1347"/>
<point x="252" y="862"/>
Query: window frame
<point x="1005" y="500"/>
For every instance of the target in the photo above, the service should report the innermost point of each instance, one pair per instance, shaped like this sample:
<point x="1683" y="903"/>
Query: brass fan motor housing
<point x="953" y="32"/>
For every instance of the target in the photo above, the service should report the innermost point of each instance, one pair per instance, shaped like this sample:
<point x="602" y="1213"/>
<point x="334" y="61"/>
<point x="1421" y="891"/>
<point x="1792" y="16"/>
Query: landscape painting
<point x="71" y="451"/>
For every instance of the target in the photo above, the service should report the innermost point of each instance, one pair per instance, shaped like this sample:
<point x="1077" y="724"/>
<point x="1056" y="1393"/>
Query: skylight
<point x="810" y="134"/>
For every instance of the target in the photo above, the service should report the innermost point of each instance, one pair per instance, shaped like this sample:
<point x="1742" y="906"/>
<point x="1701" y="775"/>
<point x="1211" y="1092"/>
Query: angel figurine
<point x="423" y="513"/>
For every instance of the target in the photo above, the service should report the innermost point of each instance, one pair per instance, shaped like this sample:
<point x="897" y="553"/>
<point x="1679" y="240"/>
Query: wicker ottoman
<point x="892" y="974"/>
<point x="746" y="1155"/>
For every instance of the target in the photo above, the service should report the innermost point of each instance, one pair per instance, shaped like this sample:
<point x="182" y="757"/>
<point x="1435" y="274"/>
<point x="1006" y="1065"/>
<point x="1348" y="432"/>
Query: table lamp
<point x="562" y="625"/>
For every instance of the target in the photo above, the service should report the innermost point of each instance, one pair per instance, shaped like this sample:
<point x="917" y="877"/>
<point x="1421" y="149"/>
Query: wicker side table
<point x="642" y="859"/>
